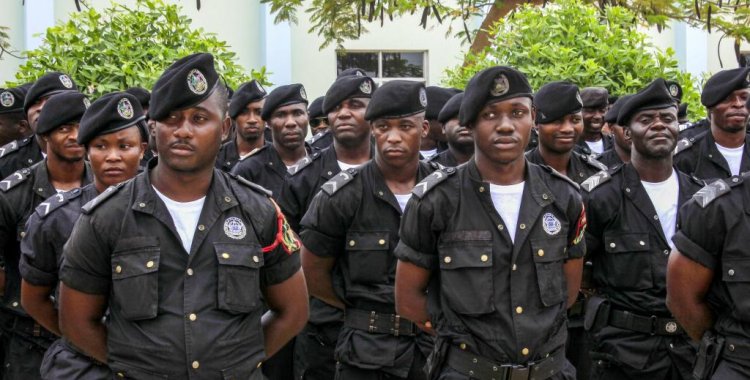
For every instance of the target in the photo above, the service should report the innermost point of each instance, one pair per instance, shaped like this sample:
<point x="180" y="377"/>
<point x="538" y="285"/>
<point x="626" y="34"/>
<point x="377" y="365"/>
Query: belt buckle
<point x="517" y="372"/>
<point x="371" y="327"/>
<point x="654" y="324"/>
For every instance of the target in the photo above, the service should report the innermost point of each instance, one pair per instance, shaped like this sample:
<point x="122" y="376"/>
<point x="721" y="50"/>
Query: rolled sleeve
<point x="405" y="253"/>
<point x="324" y="227"/>
<point x="86" y="264"/>
<point x="281" y="262"/>
<point x="38" y="262"/>
<point x="693" y="251"/>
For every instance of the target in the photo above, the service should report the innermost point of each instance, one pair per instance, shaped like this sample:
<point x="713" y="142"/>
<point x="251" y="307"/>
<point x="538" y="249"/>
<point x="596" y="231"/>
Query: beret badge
<point x="423" y="97"/>
<point x="674" y="90"/>
<point x="65" y="80"/>
<point x="86" y="103"/>
<point x="365" y="87"/>
<point x="197" y="82"/>
<point x="259" y="87"/>
<point x="501" y="86"/>
<point x="125" y="109"/>
<point x="302" y="93"/>
<point x="7" y="99"/>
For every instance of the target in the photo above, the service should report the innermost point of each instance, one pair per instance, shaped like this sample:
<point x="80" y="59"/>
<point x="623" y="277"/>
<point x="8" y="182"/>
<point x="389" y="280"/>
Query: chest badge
<point x="234" y="228"/>
<point x="550" y="224"/>
<point x="671" y="327"/>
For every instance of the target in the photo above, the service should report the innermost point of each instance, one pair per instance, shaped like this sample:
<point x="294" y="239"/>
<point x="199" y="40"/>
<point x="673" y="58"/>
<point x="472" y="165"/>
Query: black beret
<point x="230" y="91"/>
<point x="315" y="110"/>
<point x="346" y="88"/>
<point x="491" y="85"/>
<point x="185" y="83"/>
<point x="49" y="84"/>
<point x="656" y="95"/>
<point x="395" y="99"/>
<point x="554" y="100"/>
<point x="247" y="93"/>
<point x="611" y="115"/>
<point x="61" y="109"/>
<point x="141" y="94"/>
<point x="451" y="108"/>
<point x="675" y="90"/>
<point x="682" y="110"/>
<point x="594" y="97"/>
<point x="354" y="71"/>
<point x="283" y="96"/>
<point x="436" y="98"/>
<point x="723" y="83"/>
<point x="611" y="99"/>
<point x="11" y="100"/>
<point x="110" y="113"/>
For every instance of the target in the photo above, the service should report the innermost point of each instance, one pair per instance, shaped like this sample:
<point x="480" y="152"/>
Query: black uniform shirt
<point x="444" y="158"/>
<point x="610" y="158"/>
<point x="266" y="168"/>
<point x="229" y="156"/>
<point x="700" y="157"/>
<point x="713" y="231"/>
<point x="322" y="140"/>
<point x="580" y="166"/>
<point x="505" y="301"/>
<point x="20" y="194"/>
<point x="607" y="140"/>
<point x="19" y="154"/>
<point x="193" y="315"/>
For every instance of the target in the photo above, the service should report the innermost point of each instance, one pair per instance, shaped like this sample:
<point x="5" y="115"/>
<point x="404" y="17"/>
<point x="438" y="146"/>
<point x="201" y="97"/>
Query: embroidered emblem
<point x="671" y="327"/>
<point x="284" y="234"/>
<point x="234" y="228"/>
<point x="302" y="93"/>
<point x="501" y="86"/>
<point x="197" y="82"/>
<point x="7" y="99"/>
<point x="125" y="109"/>
<point x="550" y="224"/>
<point x="66" y="81"/>
<point x="259" y="87"/>
<point x="365" y="87"/>
<point x="674" y="90"/>
<point x="580" y="226"/>
<point x="423" y="97"/>
<point x="86" y="103"/>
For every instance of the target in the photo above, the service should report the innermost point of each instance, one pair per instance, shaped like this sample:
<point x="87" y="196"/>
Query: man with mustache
<point x="595" y="103"/>
<point x="115" y="141"/>
<point x="724" y="149"/>
<point x="632" y="213"/>
<point x="63" y="169"/>
<point x="620" y="151"/>
<point x="13" y="123"/>
<point x="319" y="128"/>
<point x="459" y="138"/>
<point x="490" y="251"/>
<point x="285" y="111"/>
<point x="349" y="233"/>
<point x="244" y="109"/>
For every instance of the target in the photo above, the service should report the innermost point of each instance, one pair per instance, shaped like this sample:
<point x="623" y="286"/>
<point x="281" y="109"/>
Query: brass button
<point x="522" y="226"/>
<point x="225" y="255"/>
<point x="612" y="245"/>
<point x="380" y="193"/>
<point x="735" y="179"/>
<point x="23" y="233"/>
<point x="381" y="241"/>
<point x="731" y="347"/>
<point x="256" y="259"/>
<point x="120" y="374"/>
<point x="731" y="272"/>
<point x="463" y="346"/>
<point x="227" y="199"/>
<point x="141" y="205"/>
<point x="259" y="364"/>
<point x="525" y="351"/>
<point x="656" y="217"/>
<point x="545" y="196"/>
<point x="666" y="251"/>
<point x="484" y="258"/>
<point x="515" y="267"/>
<point x="190" y="271"/>
<point x="118" y="269"/>
<point x="192" y="317"/>
<point x="519" y="310"/>
<point x="481" y="189"/>
<point x="500" y="227"/>
<point x="15" y="304"/>
<point x="540" y="253"/>
<point x="627" y="189"/>
<point x="196" y="364"/>
<point x="641" y="242"/>
<point x="447" y="259"/>
<point x="201" y="227"/>
<point x="150" y="264"/>
<point x="352" y="243"/>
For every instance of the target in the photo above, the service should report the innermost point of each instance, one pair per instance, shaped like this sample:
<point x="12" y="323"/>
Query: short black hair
<point x="222" y="98"/>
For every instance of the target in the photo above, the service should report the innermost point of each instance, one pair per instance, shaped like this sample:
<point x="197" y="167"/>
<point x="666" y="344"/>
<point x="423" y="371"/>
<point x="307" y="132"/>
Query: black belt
<point x="481" y="368"/>
<point x="578" y="308"/>
<point x="29" y="327"/>
<point x="649" y="325"/>
<point x="379" y="323"/>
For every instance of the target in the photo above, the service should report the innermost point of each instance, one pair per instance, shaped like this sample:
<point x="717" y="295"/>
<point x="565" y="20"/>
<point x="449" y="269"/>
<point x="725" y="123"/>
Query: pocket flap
<point x="135" y="263"/>
<point x="549" y="249"/>
<point x="367" y="241"/>
<point x="239" y="254"/>
<point x="469" y="256"/>
<point x="736" y="270"/>
<point x="626" y="242"/>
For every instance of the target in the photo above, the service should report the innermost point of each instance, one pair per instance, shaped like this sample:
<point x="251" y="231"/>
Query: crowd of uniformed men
<point x="191" y="232"/>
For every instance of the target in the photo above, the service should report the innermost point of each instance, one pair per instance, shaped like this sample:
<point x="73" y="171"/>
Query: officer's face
<point x="249" y="123"/>
<point x="731" y="115"/>
<point x="457" y="134"/>
<point x="398" y="140"/>
<point x="348" y="122"/>
<point x="62" y="143"/>
<point x="13" y="126"/>
<point x="289" y="125"/>
<point x="654" y="132"/>
<point x="621" y="138"/>
<point x="116" y="156"/>
<point x="502" y="130"/>
<point x="318" y="125"/>
<point x="560" y="136"/>
<point x="32" y="115"/>
<point x="436" y="131"/>
<point x="593" y="119"/>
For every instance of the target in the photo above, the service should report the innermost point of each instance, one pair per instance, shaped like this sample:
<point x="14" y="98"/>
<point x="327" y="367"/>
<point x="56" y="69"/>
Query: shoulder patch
<point x="251" y="185"/>
<point x="303" y="163"/>
<point x="431" y="181"/>
<point x="592" y="161"/>
<point x="338" y="181"/>
<point x="595" y="180"/>
<point x="716" y="189"/>
<point x="101" y="198"/>
<point x="14" y="179"/>
<point x="9" y="148"/>
<point x="56" y="201"/>
<point x="561" y="176"/>
<point x="683" y="144"/>
<point x="319" y="136"/>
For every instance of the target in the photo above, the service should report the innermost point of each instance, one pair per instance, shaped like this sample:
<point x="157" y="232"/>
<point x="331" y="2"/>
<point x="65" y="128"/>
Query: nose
<point x="185" y="130"/>
<point x="504" y="125"/>
<point x="73" y="135"/>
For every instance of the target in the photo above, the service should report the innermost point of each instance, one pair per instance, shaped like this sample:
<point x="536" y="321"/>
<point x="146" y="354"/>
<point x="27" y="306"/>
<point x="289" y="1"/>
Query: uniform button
<point x="120" y="374"/>
<point x="256" y="259"/>
<point x="225" y="255"/>
<point x="656" y="217"/>
<point x="23" y="233"/>
<point x="519" y="310"/>
<point x="627" y="189"/>
<point x="545" y="196"/>
<point x="525" y="351"/>
<point x="731" y="272"/>
<point x="447" y="259"/>
<point x="259" y="365"/>
<point x="270" y="163"/>
<point x="40" y="189"/>
<point x="193" y="317"/>
<point x="580" y="175"/>
<point x="118" y="269"/>
<point x="612" y="245"/>
<point x="641" y="242"/>
<point x="481" y="189"/>
<point x="462" y="345"/>
<point x="330" y="173"/>
<point x="190" y="271"/>
<point x="540" y="252"/>
<point x="731" y="347"/>
<point x="484" y="258"/>
<point x="227" y="199"/>
<point x="15" y="304"/>
<point x="710" y="155"/>
<point x="735" y="179"/>
<point x="515" y="267"/>
<point x="666" y="251"/>
<point x="141" y="205"/>
<point x="522" y="226"/>
<point x="380" y="193"/>
<point x="196" y="364"/>
<point x="150" y="264"/>
<point x="500" y="227"/>
<point x="352" y="243"/>
<point x="381" y="241"/>
<point x="201" y="227"/>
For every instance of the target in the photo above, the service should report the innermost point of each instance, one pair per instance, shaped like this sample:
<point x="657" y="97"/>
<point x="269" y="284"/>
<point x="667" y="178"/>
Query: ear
<point x="533" y="115"/>
<point x="144" y="146"/>
<point x="24" y="127"/>
<point x="425" y="128"/>
<point x="626" y="132"/>
<point x="225" y="126"/>
<point x="151" y="128"/>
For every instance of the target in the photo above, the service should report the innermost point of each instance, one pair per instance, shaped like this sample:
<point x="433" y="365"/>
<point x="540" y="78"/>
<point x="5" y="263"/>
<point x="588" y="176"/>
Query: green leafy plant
<point x="570" y="40"/>
<point x="121" y="47"/>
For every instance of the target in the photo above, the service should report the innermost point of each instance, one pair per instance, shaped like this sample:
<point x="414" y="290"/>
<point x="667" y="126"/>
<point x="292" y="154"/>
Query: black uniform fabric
<point x="582" y="147"/>
<point x="249" y="92"/>
<point x="140" y="93"/>
<point x="266" y="168"/>
<point x="229" y="156"/>
<point x="610" y="158"/>
<point x="444" y="158"/>
<point x="49" y="84"/>
<point x="436" y="99"/>
<point x="629" y="251"/>
<point x="492" y="85"/>
<point x="185" y="83"/>
<point x="451" y="108"/>
<point x="345" y="88"/>
<point x="395" y="99"/>
<point x="358" y="226"/>
<point x="654" y="96"/>
<point x="61" y="109"/>
<point x="315" y="109"/>
<point x="611" y="115"/>
<point x="110" y="113"/>
<point x="127" y="248"/>
<point x="501" y="300"/>
<point x="555" y="100"/>
<point x="11" y="100"/>
<point x="580" y="166"/>
<point x="283" y="96"/>
<point x="19" y="154"/>
<point x="322" y="140"/>
<point x="695" y="129"/>
<point x="721" y="246"/>
<point x="702" y="158"/>
<point x="723" y="83"/>
<point x="63" y="361"/>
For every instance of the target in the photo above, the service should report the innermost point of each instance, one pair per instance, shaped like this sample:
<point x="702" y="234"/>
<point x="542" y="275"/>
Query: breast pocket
<point x="549" y="255"/>
<point x="627" y="263"/>
<point x="736" y="276"/>
<point x="238" y="276"/>
<point x="466" y="274"/>
<point x="135" y="277"/>
<point x="367" y="253"/>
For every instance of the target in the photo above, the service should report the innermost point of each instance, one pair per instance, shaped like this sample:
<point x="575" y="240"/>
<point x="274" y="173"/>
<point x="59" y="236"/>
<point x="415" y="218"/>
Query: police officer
<point x="115" y="142"/>
<point x="632" y="214"/>
<point x="559" y="124"/>
<point x="144" y="98"/>
<point x="183" y="255"/>
<point x="459" y="138"/>
<point x="13" y="123"/>
<point x="345" y="105"/>
<point x="490" y="252"/>
<point x="285" y="111"/>
<point x="595" y="104"/>
<point x="724" y="149"/>
<point x="244" y="109"/>
<point x="319" y="127"/>
<point x="435" y="142"/>
<point x="620" y="151"/>
<point x="351" y="229"/>
<point x="25" y="152"/>
<point x="63" y="169"/>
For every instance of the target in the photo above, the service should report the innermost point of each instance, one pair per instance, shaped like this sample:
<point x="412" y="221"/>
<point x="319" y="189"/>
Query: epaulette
<point x="683" y="144"/>
<point x="716" y="189"/>
<point x="338" y="181"/>
<point x="251" y="184"/>
<point x="319" y="136"/>
<point x="14" y="146"/>
<point x="14" y="179"/>
<point x="561" y="176"/>
<point x="106" y="194"/>
<point x="591" y="160"/>
<point x="597" y="179"/>
<point x="303" y="163"/>
<point x="56" y="201"/>
<point x="431" y="181"/>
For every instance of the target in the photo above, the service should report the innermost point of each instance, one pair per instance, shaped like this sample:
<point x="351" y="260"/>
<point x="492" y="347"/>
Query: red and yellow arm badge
<point x="284" y="234"/>
<point x="580" y="226"/>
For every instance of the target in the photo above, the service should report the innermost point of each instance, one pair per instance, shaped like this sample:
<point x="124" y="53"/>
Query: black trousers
<point x="313" y="352"/>
<point x="61" y="361"/>
<point x="416" y="372"/>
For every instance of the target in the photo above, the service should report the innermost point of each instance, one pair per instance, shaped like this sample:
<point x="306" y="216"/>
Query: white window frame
<point x="379" y="79"/>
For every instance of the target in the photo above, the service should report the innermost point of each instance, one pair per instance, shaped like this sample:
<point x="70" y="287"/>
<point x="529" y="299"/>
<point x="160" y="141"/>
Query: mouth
<point x="739" y="115"/>
<point x="114" y="172"/>
<point x="394" y="152"/>
<point x="463" y="132"/>
<point x="181" y="149"/>
<point x="504" y="142"/>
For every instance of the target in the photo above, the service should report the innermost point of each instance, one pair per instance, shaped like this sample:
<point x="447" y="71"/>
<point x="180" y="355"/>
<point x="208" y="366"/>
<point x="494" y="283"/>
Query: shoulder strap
<point x="338" y="181"/>
<point x="250" y="184"/>
<point x="597" y="179"/>
<point x="101" y="198"/>
<point x="560" y="176"/>
<point x="303" y="163"/>
<point x="431" y="181"/>
<point x="56" y="201"/>
<point x="15" y="179"/>
<point x="716" y="189"/>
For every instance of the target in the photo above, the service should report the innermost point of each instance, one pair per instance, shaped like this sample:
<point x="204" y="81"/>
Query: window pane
<point x="365" y="61"/>
<point x="403" y="65"/>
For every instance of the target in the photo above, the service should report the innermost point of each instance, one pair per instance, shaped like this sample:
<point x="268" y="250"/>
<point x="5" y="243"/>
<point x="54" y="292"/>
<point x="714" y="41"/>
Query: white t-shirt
<point x="427" y="154"/>
<point x="402" y="199"/>
<point x="733" y="157"/>
<point x="185" y="217"/>
<point x="343" y="165"/>
<point x="507" y="202"/>
<point x="596" y="146"/>
<point x="664" y="196"/>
